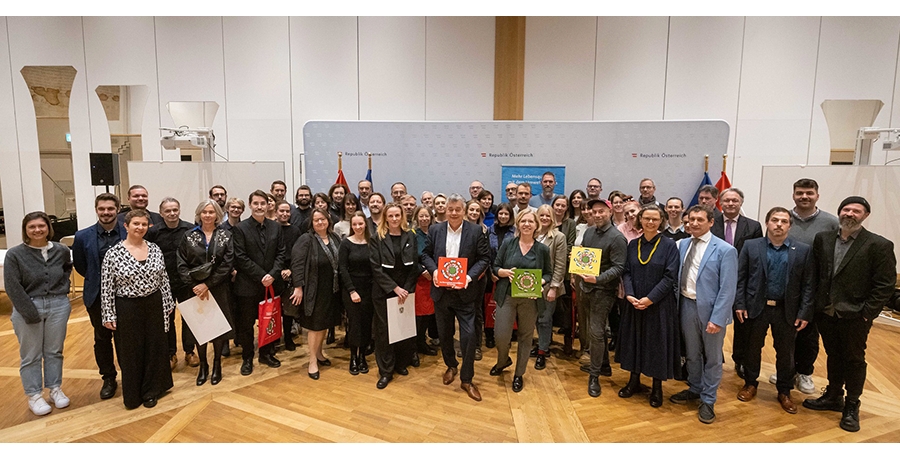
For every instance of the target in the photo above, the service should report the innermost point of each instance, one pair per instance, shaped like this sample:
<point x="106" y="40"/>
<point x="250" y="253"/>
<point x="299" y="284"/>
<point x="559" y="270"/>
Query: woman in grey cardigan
<point x="36" y="274"/>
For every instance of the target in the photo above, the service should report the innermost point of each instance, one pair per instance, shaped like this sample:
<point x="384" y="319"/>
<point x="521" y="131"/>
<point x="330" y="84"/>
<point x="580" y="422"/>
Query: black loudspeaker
<point x="104" y="169"/>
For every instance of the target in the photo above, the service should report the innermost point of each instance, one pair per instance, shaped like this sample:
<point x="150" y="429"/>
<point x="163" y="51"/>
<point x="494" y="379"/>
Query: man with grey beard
<point x="856" y="271"/>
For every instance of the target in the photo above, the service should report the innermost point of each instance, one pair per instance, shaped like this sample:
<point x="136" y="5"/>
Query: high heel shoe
<point x="216" y="375"/>
<point x="323" y="362"/>
<point x="203" y="373"/>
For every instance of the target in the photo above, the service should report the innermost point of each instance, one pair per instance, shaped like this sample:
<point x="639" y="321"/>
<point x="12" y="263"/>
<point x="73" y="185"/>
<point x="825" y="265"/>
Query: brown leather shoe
<point x="191" y="359"/>
<point x="471" y="390"/>
<point x="449" y="375"/>
<point x="747" y="393"/>
<point x="787" y="404"/>
<point x="173" y="361"/>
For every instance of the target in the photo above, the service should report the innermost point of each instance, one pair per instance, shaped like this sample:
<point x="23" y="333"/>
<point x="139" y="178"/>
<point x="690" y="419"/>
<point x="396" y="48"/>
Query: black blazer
<point x="86" y="259"/>
<point x="864" y="281"/>
<point x="304" y="267"/>
<point x="252" y="261"/>
<point x="752" y="280"/>
<point x="382" y="257"/>
<point x="746" y="229"/>
<point x="473" y="245"/>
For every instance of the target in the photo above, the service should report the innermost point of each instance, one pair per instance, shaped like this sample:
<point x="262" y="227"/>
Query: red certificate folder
<point x="451" y="272"/>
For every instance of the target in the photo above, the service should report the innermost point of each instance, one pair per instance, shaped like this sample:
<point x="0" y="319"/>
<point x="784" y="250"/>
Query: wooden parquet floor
<point x="284" y="405"/>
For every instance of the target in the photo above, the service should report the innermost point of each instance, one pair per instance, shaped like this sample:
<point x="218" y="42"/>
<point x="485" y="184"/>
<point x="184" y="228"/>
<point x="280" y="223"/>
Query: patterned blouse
<point x="124" y="276"/>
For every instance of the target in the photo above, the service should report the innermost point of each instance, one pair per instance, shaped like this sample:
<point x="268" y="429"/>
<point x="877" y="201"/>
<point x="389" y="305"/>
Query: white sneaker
<point x="805" y="384"/>
<point x="773" y="378"/>
<point x="60" y="400"/>
<point x="37" y="405"/>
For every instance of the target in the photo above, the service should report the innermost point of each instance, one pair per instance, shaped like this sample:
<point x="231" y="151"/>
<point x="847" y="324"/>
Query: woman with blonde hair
<point x="556" y="242"/>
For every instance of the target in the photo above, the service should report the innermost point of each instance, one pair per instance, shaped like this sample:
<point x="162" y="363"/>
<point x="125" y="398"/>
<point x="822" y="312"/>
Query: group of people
<point x="670" y="281"/>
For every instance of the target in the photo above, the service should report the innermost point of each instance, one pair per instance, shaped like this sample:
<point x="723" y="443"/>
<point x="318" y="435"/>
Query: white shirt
<point x="453" y="239"/>
<point x="689" y="289"/>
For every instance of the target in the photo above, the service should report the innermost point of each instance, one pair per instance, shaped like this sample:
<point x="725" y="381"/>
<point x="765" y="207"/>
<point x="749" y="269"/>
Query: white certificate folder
<point x="401" y="318"/>
<point x="205" y="318"/>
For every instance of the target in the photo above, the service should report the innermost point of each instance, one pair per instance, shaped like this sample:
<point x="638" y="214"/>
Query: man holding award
<point x="457" y="253"/>
<point x="599" y="288"/>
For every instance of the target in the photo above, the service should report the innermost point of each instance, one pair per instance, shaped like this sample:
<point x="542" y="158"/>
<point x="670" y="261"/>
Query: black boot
<point x="850" y="419"/>
<point x="216" y="375"/>
<point x="329" y="339"/>
<point x="656" y="398"/>
<point x="203" y="373"/>
<point x="832" y="399"/>
<point x="633" y="386"/>
<point x="354" y="364"/>
<point x="361" y="361"/>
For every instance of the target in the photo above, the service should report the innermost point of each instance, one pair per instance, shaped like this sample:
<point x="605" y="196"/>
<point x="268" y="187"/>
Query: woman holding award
<point x="520" y="252"/>
<point x="649" y="335"/>
<point x="394" y="258"/>
<point x="205" y="259"/>
<point x="559" y="259"/>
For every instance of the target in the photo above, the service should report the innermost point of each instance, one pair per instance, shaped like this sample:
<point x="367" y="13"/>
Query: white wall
<point x="765" y="76"/>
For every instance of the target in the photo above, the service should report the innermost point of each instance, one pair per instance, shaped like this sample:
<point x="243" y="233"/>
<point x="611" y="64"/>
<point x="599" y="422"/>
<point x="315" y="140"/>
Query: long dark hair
<point x="512" y="216"/>
<point x="571" y="211"/>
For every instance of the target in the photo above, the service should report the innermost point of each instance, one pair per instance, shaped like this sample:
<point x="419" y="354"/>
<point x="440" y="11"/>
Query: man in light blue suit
<point x="708" y="282"/>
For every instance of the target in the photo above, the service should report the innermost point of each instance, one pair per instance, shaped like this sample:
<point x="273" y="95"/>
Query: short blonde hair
<point x="523" y="213"/>
<point x="549" y="210"/>
<point x="203" y="204"/>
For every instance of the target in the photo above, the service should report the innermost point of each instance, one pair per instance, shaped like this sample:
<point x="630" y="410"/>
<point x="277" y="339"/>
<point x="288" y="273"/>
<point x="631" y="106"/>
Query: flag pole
<point x="369" y="154"/>
<point x="724" y="161"/>
<point x="340" y="160"/>
<point x="706" y="164"/>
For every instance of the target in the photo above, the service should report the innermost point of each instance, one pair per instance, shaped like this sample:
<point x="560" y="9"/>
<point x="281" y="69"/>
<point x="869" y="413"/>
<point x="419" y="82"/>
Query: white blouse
<point x="124" y="276"/>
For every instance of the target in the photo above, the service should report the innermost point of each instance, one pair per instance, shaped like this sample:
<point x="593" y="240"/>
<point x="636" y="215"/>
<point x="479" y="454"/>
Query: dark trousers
<point x="103" y="343"/>
<point x="390" y="356"/>
<point x="426" y="326"/>
<point x="141" y="341"/>
<point x="247" y="314"/>
<point x="447" y="309"/>
<point x="845" y="345"/>
<point x="740" y="342"/>
<point x="783" y="335"/>
<point x="600" y="304"/>
<point x="806" y="349"/>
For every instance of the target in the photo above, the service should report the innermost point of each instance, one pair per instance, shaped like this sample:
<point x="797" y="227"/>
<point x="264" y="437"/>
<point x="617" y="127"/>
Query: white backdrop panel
<point x="392" y="68"/>
<point x="631" y="68"/>
<point x="559" y="68"/>
<point x="447" y="156"/>
<point x="878" y="184"/>
<point x="189" y="182"/>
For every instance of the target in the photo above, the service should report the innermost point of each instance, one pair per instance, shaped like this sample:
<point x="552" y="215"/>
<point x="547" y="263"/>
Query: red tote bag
<point x="269" y="318"/>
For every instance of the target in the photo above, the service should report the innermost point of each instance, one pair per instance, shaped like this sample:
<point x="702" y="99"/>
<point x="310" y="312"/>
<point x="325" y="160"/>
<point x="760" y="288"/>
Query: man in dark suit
<point x="139" y="198"/>
<point x="856" y="271"/>
<point x="88" y="250"/>
<point x="775" y="288"/>
<point x="734" y="228"/>
<point x="258" y="257"/>
<point x="457" y="238"/>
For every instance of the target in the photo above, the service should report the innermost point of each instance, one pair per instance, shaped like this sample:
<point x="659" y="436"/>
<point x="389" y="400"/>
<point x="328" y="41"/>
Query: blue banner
<point x="518" y="174"/>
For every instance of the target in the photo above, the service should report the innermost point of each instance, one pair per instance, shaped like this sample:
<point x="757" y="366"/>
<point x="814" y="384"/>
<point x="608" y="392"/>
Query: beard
<point x="849" y="224"/>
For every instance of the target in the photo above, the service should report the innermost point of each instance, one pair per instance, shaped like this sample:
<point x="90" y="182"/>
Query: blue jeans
<point x="41" y="344"/>
<point x="703" y="352"/>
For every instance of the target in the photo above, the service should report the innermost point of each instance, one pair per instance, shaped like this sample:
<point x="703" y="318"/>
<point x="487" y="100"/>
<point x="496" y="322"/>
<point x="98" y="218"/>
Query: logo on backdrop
<point x="506" y="155"/>
<point x="662" y="155"/>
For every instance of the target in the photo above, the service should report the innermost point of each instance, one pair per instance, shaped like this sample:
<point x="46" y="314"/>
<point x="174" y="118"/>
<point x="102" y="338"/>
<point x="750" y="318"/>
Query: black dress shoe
<point x="489" y="342"/>
<point x="606" y="370"/>
<point x="363" y="365"/>
<point x="656" y="397"/>
<point x="354" y="365"/>
<point x="202" y="374"/>
<point x="150" y="402"/>
<point x="402" y="371"/>
<point x="850" y="418"/>
<point x="109" y="388"/>
<point x="540" y="362"/>
<point x="517" y="383"/>
<point x="289" y="345"/>
<point x="370" y="348"/>
<point x="383" y="382"/>
<point x="270" y="360"/>
<point x="216" y="376"/>
<point x="593" y="386"/>
<point x="323" y="362"/>
<point x="415" y="360"/>
<point x="534" y="352"/>
<point x="226" y="350"/>
<point x="497" y="370"/>
<point x="313" y="375"/>
<point x="829" y="401"/>
<point x="739" y="368"/>
<point x="247" y="367"/>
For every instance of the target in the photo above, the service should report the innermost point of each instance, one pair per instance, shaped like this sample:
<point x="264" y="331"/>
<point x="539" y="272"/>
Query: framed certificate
<point x="526" y="283"/>
<point x="585" y="261"/>
<point x="401" y="318"/>
<point x="451" y="272"/>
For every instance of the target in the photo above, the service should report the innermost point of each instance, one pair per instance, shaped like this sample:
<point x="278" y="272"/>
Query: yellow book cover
<point x="585" y="261"/>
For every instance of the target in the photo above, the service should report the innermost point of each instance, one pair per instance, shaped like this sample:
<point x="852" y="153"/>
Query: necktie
<point x="729" y="233"/>
<point x="688" y="261"/>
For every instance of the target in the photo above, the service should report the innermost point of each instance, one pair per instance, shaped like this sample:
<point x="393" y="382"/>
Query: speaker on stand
<point x="105" y="169"/>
